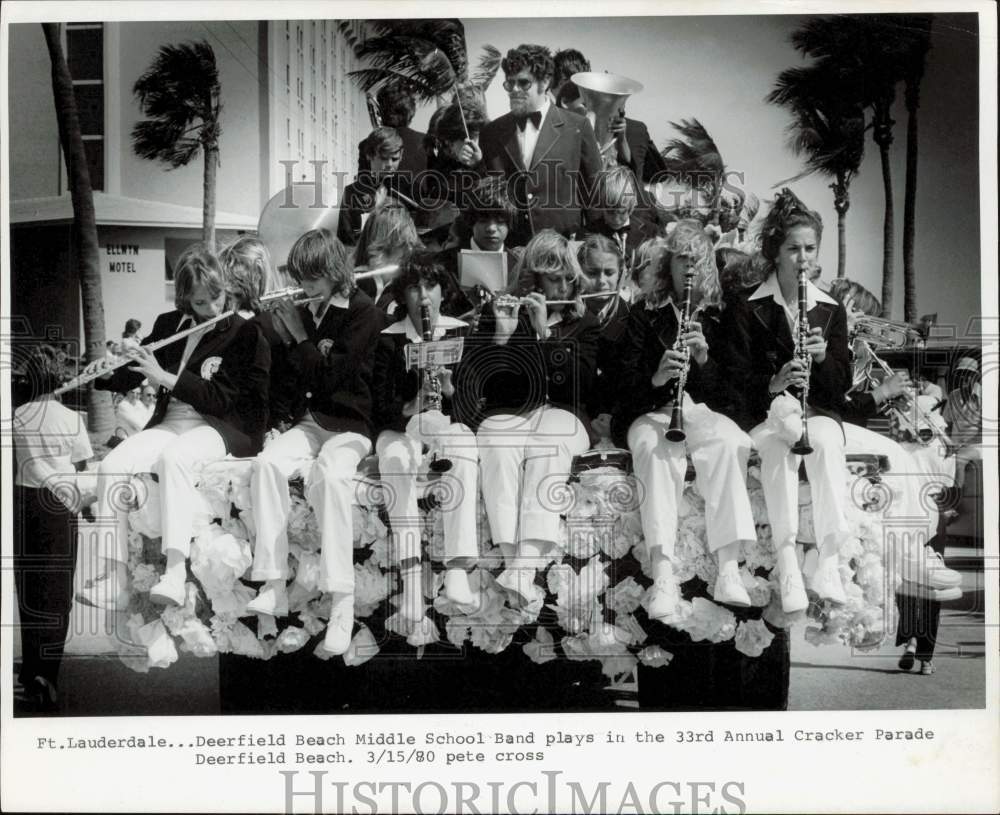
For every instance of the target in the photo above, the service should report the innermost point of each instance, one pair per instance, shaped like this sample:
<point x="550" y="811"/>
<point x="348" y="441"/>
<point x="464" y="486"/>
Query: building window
<point x="85" y="57"/>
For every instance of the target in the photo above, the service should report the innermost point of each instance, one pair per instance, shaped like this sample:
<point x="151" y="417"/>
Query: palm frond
<point x="489" y="65"/>
<point x="694" y="156"/>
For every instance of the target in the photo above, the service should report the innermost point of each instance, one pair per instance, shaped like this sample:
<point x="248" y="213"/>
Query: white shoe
<point x="341" y="625"/>
<point x="927" y="568"/>
<point x="456" y="587"/>
<point x="272" y="599"/>
<point x="519" y="584"/>
<point x="664" y="596"/>
<point x="730" y="591"/>
<point x="169" y="590"/>
<point x="793" y="593"/>
<point x="826" y="581"/>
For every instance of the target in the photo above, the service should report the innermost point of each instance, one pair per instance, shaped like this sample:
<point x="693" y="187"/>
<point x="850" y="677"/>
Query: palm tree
<point x="918" y="27"/>
<point x="179" y="93"/>
<point x="828" y="128"/>
<point x="427" y="57"/>
<point x="868" y="48"/>
<point x="100" y="412"/>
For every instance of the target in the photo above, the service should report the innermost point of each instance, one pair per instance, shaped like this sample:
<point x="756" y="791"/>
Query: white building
<point x="285" y="96"/>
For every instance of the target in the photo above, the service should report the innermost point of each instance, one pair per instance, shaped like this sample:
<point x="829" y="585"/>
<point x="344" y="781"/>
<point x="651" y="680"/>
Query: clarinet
<point x="802" y="447"/>
<point x="431" y="375"/>
<point x="675" y="432"/>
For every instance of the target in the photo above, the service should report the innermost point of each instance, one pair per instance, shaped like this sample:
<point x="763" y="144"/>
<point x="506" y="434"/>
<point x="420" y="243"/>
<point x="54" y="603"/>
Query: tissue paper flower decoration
<point x="371" y="587"/>
<point x="302" y="529"/>
<point x="218" y="560"/>
<point x="267" y="626"/>
<point x="144" y="577"/>
<point x="291" y="639"/>
<point x="624" y="596"/>
<point x="307" y="570"/>
<point x="707" y="621"/>
<point x="752" y="637"/>
<point x="160" y="649"/>
<point x="653" y="656"/>
<point x="362" y="648"/>
<point x="213" y="487"/>
<point x="146" y="518"/>
<point x="542" y="648"/>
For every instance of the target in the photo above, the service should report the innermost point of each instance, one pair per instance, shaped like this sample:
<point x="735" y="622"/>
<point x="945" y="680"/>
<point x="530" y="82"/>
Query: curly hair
<point x="452" y="123"/>
<point x="547" y="252"/>
<point x="688" y="237"/>
<point x="197" y="265"/>
<point x="320" y="254"/>
<point x="247" y="265"/>
<point x="596" y="242"/>
<point x="388" y="230"/>
<point x="39" y="368"/>
<point x="535" y="59"/>
<point x="567" y="62"/>
<point x="786" y="213"/>
<point x="422" y="267"/>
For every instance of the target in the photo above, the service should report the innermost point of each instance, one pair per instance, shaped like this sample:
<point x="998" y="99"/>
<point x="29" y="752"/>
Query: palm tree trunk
<point x="100" y="412"/>
<point x="910" y="202"/>
<point x="883" y="137"/>
<point x="211" y="153"/>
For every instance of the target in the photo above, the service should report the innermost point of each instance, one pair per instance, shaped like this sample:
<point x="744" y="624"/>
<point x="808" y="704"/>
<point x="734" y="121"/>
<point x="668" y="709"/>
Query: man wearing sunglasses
<point x="548" y="155"/>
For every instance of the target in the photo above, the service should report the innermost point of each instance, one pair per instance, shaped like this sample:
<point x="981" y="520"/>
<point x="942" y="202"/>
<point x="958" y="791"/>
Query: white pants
<point x="719" y="451"/>
<point x="912" y="520"/>
<point x="176" y="450"/>
<point x="542" y="442"/>
<point x="963" y="457"/>
<point x="399" y="458"/>
<point x="330" y="492"/>
<point x="827" y="471"/>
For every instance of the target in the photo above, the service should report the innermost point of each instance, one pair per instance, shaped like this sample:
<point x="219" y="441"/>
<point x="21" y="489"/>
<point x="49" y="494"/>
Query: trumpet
<point x="888" y="335"/>
<point x="921" y="429"/>
<point x="802" y="447"/>
<point x="675" y="432"/>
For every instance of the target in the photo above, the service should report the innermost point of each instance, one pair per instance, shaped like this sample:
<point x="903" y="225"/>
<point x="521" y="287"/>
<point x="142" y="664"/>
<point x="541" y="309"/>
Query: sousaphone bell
<point x="604" y="95"/>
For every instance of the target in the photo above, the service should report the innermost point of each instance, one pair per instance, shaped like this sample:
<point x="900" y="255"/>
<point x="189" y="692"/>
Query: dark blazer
<point x="393" y="386"/>
<point x="279" y="402"/>
<point x="359" y="198"/>
<point x="648" y="333"/>
<point x="564" y="164"/>
<point x="605" y="392"/>
<point x="225" y="379"/>
<point x="414" y="156"/>
<point x="526" y="373"/>
<point x="646" y="160"/>
<point x="330" y="373"/>
<point x="759" y="341"/>
<point x="448" y="180"/>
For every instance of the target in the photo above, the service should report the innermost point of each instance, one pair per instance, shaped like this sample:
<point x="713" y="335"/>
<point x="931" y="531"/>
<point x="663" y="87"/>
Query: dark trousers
<point x="918" y="617"/>
<point x="44" y="562"/>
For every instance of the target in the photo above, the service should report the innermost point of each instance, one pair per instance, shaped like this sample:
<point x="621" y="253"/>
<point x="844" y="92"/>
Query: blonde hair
<point x="196" y="266"/>
<point x="387" y="229"/>
<point x="616" y="187"/>
<point x="246" y="263"/>
<point x="688" y="237"/>
<point x="548" y="252"/>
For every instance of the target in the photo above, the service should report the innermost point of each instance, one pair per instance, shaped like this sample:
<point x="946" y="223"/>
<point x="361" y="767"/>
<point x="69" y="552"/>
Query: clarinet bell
<point x="439" y="464"/>
<point x="802" y="446"/>
<point x="675" y="432"/>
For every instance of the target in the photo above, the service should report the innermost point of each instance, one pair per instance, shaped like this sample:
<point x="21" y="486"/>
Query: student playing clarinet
<point x="673" y="337"/>
<point x="786" y="349"/>
<point x="401" y="398"/>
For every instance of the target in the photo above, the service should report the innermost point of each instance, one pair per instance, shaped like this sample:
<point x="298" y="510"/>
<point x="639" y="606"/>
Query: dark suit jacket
<point x="330" y="373"/>
<point x="648" y="334"/>
<point x="759" y="341"/>
<point x="393" y="386"/>
<point x="526" y="373"/>
<point x="646" y="160"/>
<point x="564" y="164"/>
<point x="414" y="156"/>
<point x="225" y="379"/>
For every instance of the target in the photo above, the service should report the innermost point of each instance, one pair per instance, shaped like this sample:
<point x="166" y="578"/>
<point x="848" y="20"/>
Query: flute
<point x="267" y="302"/>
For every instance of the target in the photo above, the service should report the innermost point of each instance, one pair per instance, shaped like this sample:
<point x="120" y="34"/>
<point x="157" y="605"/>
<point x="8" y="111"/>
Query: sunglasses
<point x="521" y="84"/>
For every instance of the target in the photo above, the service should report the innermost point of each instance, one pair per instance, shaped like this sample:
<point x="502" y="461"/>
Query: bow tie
<point x="535" y="116"/>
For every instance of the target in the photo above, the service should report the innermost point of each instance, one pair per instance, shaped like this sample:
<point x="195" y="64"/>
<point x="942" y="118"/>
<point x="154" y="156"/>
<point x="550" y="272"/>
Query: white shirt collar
<point x="770" y="288"/>
<point x="405" y="326"/>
